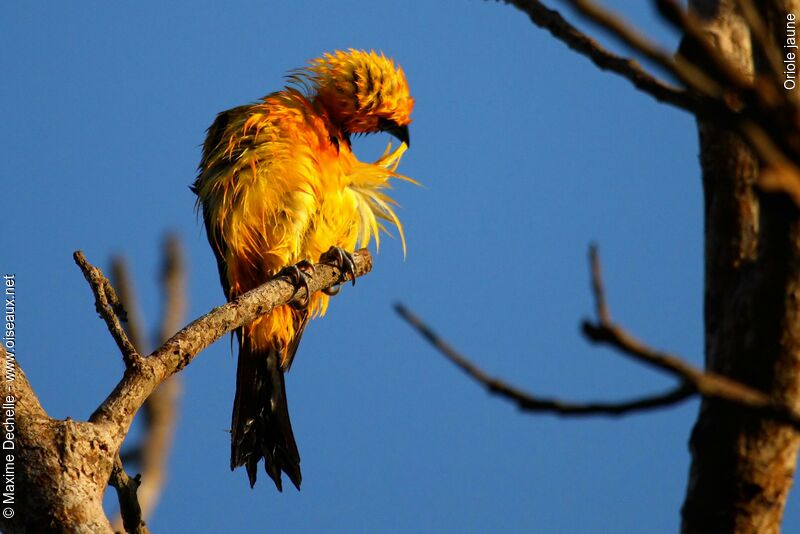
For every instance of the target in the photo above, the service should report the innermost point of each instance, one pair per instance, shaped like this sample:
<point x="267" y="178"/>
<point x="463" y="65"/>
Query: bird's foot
<point x="296" y="275"/>
<point x="342" y="260"/>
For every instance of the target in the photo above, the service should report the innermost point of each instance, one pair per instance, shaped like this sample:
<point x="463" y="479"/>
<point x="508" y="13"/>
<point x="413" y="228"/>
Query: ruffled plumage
<point x="279" y="183"/>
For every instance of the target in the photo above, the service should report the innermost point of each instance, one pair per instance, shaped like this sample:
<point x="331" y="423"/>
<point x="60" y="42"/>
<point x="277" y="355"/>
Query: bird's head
<point x="363" y="92"/>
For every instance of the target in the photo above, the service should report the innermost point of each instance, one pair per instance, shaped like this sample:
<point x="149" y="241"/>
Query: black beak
<point x="400" y="132"/>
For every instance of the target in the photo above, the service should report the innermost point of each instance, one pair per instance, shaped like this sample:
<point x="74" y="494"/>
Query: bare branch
<point x="138" y="382"/>
<point x="597" y="286"/>
<point x="692" y="76"/>
<point x="708" y="384"/>
<point x="754" y="104"/>
<point x="628" y="68"/>
<point x="122" y="281"/>
<point x="760" y="112"/>
<point x="105" y="303"/>
<point x="128" y="502"/>
<point x="529" y="402"/>
<point x="692" y="380"/>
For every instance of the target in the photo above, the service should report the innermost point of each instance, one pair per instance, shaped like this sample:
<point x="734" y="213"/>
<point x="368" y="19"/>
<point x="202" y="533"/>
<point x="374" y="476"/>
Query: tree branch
<point x="688" y="73"/>
<point x="139" y="381"/>
<point x="581" y="43"/>
<point x="692" y="380"/>
<point x="708" y="384"/>
<point x="129" y="507"/>
<point x="528" y="402"/>
<point x="108" y="306"/>
<point x="762" y="113"/>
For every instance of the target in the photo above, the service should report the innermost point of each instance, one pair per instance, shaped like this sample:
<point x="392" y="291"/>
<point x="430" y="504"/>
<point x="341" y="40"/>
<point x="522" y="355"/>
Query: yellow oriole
<point x="278" y="184"/>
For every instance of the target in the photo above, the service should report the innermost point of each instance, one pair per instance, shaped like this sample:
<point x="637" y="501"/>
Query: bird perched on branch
<point x="280" y="188"/>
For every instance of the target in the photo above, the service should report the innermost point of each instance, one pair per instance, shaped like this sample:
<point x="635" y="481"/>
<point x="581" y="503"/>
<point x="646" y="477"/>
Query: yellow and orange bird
<point x="279" y="185"/>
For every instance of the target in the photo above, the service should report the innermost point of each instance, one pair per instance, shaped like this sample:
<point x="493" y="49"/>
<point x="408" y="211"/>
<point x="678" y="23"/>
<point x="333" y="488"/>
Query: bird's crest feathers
<point x="359" y="89"/>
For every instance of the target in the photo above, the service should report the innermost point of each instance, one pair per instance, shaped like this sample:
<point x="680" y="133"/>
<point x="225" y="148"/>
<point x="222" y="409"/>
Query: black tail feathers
<point x="260" y="426"/>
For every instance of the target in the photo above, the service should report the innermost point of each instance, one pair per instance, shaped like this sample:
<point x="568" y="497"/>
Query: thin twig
<point x="688" y="73"/>
<point x="708" y="384"/>
<point x="705" y="94"/>
<point x="597" y="285"/>
<point x="628" y="68"/>
<point x="692" y="380"/>
<point x="108" y="306"/>
<point x="128" y="502"/>
<point x="528" y="402"/>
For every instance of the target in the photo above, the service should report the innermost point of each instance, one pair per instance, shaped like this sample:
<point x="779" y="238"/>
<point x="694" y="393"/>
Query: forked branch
<point x="116" y="413"/>
<point x="529" y="402"/>
<point x="759" y="109"/>
<point x="108" y="306"/>
<point x="691" y="380"/>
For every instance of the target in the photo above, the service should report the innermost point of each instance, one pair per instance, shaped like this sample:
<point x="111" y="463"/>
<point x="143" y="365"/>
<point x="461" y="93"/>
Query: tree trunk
<point x="742" y="466"/>
<point x="62" y="478"/>
<point x="55" y="471"/>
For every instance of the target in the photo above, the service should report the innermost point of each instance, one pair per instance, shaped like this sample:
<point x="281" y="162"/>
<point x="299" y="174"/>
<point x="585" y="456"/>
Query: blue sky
<point x="527" y="154"/>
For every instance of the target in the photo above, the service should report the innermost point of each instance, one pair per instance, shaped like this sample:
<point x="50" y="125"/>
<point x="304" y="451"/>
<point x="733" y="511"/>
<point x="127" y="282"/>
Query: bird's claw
<point x="306" y="267"/>
<point x="333" y="290"/>
<point x="342" y="260"/>
<point x="296" y="275"/>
